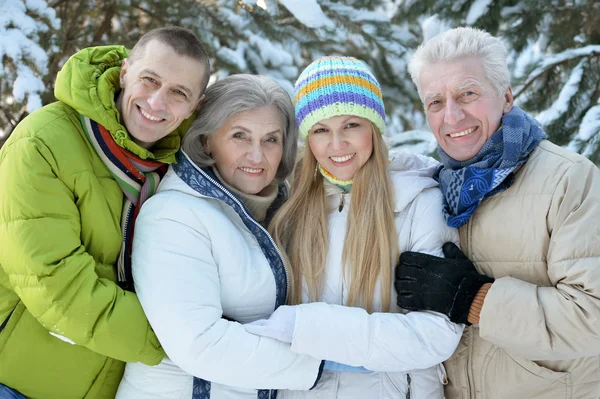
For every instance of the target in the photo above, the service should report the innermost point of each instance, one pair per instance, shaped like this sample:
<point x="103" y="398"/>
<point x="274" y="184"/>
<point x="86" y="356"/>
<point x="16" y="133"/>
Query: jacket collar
<point x="205" y="183"/>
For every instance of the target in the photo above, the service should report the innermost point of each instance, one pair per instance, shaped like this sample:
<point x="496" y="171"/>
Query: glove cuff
<point x="465" y="295"/>
<point x="477" y="305"/>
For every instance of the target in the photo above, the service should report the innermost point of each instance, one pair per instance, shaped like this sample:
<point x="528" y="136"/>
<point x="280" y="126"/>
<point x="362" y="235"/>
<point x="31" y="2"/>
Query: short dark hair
<point x="183" y="41"/>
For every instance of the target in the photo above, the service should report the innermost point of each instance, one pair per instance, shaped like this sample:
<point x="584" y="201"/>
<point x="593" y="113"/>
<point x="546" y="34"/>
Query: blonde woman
<point x="352" y="209"/>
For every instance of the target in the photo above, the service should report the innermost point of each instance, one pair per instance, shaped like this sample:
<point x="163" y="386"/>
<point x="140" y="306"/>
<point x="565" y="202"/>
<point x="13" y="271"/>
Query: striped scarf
<point x="138" y="178"/>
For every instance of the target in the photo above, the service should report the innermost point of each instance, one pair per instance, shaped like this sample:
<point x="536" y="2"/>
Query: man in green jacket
<point x="72" y="178"/>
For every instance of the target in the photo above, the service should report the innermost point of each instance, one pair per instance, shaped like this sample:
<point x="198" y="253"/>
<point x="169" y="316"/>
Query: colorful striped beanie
<point x="333" y="86"/>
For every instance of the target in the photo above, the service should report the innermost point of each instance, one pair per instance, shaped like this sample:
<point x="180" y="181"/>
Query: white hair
<point x="460" y="43"/>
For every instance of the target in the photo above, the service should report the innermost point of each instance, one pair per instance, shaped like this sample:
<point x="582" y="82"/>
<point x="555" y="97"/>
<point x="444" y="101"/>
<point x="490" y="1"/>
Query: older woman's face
<point x="247" y="149"/>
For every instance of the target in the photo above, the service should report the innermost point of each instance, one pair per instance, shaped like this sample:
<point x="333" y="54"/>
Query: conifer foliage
<point x="554" y="49"/>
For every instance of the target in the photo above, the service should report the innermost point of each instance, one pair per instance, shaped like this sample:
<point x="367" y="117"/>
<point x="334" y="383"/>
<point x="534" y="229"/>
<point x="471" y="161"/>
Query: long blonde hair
<point x="300" y="229"/>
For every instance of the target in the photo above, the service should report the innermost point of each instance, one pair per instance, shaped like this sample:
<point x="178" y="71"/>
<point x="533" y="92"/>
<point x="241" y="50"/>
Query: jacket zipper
<point x="470" y="388"/>
<point x="341" y="206"/>
<point x="122" y="274"/>
<point x="272" y="393"/>
<point x="464" y="237"/>
<point x="408" y="385"/>
<point x="287" y="277"/>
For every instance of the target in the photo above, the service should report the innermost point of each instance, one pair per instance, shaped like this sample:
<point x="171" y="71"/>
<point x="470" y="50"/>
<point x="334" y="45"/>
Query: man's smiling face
<point x="160" y="89"/>
<point x="462" y="107"/>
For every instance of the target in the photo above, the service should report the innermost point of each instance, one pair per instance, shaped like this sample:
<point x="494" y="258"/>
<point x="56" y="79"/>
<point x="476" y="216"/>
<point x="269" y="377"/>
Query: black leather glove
<point x="445" y="285"/>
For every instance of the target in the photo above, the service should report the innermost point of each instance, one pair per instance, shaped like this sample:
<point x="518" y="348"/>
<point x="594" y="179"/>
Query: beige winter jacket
<point x="539" y="331"/>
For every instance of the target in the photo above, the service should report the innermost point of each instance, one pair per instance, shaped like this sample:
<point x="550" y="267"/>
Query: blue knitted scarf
<point x="466" y="183"/>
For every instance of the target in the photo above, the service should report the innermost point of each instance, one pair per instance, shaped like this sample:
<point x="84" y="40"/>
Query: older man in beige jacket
<point x="529" y="219"/>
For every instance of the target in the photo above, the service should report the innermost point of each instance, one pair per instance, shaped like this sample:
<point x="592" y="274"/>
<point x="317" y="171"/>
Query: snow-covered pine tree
<point x="277" y="38"/>
<point x="555" y="55"/>
<point x="26" y="29"/>
<point x="280" y="37"/>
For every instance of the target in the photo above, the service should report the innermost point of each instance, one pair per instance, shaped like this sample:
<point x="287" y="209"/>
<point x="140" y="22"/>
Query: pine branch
<point x="152" y="14"/>
<point x="551" y="65"/>
<point x="105" y="26"/>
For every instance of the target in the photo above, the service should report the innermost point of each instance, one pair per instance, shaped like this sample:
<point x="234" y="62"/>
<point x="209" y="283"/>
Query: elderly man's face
<point x="160" y="89"/>
<point x="462" y="107"/>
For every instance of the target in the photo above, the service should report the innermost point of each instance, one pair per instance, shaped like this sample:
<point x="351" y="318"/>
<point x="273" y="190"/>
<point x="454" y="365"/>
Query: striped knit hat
<point x="333" y="86"/>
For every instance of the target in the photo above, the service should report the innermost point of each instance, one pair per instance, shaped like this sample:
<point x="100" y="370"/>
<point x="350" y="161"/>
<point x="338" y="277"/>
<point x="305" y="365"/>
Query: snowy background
<point x="554" y="49"/>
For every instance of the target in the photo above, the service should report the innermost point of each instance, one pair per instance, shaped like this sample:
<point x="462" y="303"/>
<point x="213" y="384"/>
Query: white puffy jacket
<point x="392" y="344"/>
<point x="198" y="258"/>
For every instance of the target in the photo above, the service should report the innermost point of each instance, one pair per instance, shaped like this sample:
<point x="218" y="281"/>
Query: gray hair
<point x="460" y="43"/>
<point x="234" y="94"/>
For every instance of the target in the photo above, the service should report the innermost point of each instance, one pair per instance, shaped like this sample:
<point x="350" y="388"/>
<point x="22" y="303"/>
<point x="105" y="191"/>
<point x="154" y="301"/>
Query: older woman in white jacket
<point x="351" y="211"/>
<point x="203" y="262"/>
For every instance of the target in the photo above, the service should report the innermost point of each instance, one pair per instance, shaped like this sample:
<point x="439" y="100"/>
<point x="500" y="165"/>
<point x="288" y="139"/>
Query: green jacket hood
<point x="89" y="82"/>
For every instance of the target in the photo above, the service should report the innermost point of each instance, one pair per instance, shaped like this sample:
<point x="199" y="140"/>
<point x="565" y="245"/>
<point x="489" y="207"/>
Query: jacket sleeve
<point x="48" y="266"/>
<point x="177" y="281"/>
<point x="385" y="341"/>
<point x="562" y="321"/>
<point x="389" y="342"/>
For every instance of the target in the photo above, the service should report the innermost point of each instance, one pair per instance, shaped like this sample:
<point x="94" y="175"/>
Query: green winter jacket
<point x="60" y="236"/>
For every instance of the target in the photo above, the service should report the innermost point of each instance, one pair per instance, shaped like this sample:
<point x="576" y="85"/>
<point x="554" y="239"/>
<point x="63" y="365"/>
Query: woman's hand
<point x="279" y="326"/>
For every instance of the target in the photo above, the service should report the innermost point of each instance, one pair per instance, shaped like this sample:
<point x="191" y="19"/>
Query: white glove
<point x="279" y="326"/>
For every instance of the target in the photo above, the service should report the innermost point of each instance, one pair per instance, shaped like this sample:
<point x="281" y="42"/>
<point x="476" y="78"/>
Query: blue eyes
<point x="156" y="83"/>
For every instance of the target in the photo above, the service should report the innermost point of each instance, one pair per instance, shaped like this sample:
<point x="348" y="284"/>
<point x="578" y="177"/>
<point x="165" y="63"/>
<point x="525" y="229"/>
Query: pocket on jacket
<point x="505" y="376"/>
<point x="395" y="385"/>
<point x="9" y="323"/>
<point x="427" y="383"/>
<point x="29" y="353"/>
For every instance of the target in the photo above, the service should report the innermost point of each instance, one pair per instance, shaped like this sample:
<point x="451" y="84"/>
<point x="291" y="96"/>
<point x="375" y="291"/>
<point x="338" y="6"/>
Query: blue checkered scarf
<point x="466" y="183"/>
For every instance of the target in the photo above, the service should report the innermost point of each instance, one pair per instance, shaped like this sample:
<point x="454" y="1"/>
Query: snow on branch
<point x="588" y="137"/>
<point x="590" y="125"/>
<point x="358" y="15"/>
<point x="309" y="13"/>
<point x="552" y="60"/>
<point x="477" y="9"/>
<point x="561" y="105"/>
<point x="24" y="61"/>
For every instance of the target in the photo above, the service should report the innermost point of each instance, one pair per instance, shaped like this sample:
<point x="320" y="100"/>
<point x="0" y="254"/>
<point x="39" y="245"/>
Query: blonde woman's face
<point x="342" y="144"/>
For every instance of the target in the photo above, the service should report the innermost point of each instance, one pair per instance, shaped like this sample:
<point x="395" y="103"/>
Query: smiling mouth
<point x="252" y="171"/>
<point x="463" y="133"/>
<point x="149" y="116"/>
<point x="342" y="159"/>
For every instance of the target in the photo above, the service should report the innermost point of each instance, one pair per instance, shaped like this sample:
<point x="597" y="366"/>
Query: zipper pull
<point x="341" y="203"/>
